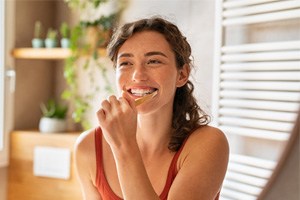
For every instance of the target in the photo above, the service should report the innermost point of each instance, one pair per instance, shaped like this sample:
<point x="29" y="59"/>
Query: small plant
<point x="37" y="41"/>
<point x="64" y="30"/>
<point x="52" y="34"/>
<point x="54" y="110"/>
<point x="38" y="29"/>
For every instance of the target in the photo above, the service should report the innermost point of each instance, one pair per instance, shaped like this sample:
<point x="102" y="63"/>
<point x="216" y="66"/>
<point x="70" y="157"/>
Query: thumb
<point x="130" y="100"/>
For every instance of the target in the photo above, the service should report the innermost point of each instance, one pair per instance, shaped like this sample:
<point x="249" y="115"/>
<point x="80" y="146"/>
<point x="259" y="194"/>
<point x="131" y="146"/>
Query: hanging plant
<point x="85" y="57"/>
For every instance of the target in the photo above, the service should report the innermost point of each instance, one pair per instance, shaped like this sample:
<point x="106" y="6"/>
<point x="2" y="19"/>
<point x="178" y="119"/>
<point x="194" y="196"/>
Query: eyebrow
<point x="151" y="53"/>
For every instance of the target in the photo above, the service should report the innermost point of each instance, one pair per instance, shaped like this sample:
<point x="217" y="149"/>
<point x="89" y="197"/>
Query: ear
<point x="183" y="75"/>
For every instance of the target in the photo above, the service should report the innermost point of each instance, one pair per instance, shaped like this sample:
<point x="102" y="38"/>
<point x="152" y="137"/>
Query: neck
<point x="154" y="132"/>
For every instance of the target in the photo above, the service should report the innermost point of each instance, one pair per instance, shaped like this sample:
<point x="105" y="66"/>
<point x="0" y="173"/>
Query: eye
<point x="154" y="61"/>
<point x="124" y="64"/>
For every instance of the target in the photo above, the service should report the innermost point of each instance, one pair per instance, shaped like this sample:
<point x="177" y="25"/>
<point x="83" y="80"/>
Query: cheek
<point x="169" y="82"/>
<point x="120" y="80"/>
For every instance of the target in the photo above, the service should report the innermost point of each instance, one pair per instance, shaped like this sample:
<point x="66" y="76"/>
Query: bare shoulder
<point x="207" y="136"/>
<point x="84" y="154"/>
<point x="84" y="148"/>
<point x="85" y="140"/>
<point x="207" y="142"/>
<point x="202" y="165"/>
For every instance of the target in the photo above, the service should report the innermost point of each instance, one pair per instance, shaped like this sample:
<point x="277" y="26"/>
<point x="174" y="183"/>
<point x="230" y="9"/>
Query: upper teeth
<point x="141" y="92"/>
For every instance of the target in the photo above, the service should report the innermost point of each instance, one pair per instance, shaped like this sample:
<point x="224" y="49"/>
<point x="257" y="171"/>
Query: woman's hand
<point x="118" y="120"/>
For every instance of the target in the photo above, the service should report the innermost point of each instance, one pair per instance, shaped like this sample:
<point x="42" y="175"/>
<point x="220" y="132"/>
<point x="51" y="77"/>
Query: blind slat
<point x="261" y="85"/>
<point x="251" y="180"/>
<point x="257" y="47"/>
<point x="255" y="133"/>
<point x="225" y="198"/>
<point x="233" y="194"/>
<point x="262" y="76"/>
<point x="253" y="171"/>
<point x="234" y="4"/>
<point x="256" y="9"/>
<point x="245" y="188"/>
<point x="262" y="66"/>
<point x="259" y="114"/>
<point x="265" y="95"/>
<point x="259" y="18"/>
<point x="254" y="161"/>
<point x="256" y="123"/>
<point x="260" y="105"/>
<point x="265" y="56"/>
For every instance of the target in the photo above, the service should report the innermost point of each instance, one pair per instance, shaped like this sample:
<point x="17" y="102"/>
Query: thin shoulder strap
<point x="98" y="148"/>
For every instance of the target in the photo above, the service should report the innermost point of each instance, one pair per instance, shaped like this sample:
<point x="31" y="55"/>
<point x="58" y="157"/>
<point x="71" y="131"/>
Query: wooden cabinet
<point x="22" y="184"/>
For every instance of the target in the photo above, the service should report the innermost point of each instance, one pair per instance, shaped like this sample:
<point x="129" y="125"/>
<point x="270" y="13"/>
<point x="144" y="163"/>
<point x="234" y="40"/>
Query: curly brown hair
<point x="187" y="114"/>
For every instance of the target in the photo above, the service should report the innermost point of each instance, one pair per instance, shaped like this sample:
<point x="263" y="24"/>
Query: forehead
<point x="146" y="41"/>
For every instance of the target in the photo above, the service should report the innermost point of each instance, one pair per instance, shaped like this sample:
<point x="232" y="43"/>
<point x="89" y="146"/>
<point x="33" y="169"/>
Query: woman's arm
<point x="84" y="155"/>
<point x="118" y="120"/>
<point x="203" y="165"/>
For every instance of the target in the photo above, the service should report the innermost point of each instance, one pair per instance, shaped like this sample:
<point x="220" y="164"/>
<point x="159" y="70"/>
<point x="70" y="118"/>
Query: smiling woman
<point x="163" y="148"/>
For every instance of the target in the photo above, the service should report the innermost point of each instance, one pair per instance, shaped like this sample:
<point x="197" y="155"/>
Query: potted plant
<point x="51" y="40"/>
<point x="54" y="117"/>
<point x="37" y="41"/>
<point x="65" y="34"/>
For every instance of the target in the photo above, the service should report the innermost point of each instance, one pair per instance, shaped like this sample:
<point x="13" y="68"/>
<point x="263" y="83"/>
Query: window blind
<point x="257" y="92"/>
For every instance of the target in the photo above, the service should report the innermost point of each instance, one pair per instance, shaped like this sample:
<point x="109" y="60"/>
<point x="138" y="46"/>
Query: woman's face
<point x="145" y="64"/>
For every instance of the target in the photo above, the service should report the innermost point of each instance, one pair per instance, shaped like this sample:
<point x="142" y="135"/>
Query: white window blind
<point x="257" y="88"/>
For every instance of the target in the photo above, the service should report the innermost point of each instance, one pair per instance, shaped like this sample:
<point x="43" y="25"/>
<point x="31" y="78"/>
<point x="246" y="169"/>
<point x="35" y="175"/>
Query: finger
<point x="113" y="100"/>
<point x="106" y="105"/>
<point x="129" y="99"/>
<point x="101" y="115"/>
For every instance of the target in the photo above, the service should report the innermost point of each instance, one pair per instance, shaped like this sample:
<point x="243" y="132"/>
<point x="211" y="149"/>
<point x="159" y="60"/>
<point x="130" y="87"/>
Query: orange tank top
<point x="102" y="184"/>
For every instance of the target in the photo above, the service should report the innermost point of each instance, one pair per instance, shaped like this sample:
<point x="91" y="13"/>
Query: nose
<point x="139" y="74"/>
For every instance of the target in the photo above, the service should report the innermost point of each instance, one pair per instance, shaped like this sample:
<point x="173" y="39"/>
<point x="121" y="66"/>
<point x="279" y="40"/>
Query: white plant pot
<point x="52" y="125"/>
<point x="37" y="43"/>
<point x="50" y="43"/>
<point x="65" y="43"/>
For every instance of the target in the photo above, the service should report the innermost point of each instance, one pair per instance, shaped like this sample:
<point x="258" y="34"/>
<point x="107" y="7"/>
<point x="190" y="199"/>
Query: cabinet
<point x="22" y="184"/>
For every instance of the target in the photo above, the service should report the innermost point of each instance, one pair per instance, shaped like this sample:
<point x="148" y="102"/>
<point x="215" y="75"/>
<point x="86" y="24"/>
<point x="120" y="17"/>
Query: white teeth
<point x="141" y="92"/>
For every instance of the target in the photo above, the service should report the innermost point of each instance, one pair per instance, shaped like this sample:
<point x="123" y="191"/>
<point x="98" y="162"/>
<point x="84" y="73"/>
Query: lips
<point x="140" y="92"/>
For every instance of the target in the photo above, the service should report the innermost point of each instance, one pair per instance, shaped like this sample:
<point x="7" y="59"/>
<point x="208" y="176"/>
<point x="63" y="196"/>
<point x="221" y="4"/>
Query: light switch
<point x="52" y="162"/>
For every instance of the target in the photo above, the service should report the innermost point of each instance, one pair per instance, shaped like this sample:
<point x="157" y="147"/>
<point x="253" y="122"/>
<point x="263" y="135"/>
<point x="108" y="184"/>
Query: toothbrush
<point x="141" y="100"/>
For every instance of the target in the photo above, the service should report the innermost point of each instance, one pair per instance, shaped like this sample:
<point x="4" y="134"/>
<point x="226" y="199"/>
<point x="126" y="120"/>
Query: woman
<point x="163" y="148"/>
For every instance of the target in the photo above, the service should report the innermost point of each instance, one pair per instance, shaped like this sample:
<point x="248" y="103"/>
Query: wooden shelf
<point x="41" y="53"/>
<point x="46" y="53"/>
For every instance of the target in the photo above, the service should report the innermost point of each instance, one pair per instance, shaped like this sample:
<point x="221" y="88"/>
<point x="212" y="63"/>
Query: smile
<point x="141" y="92"/>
